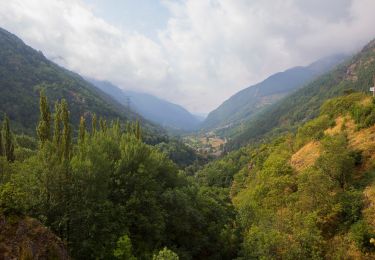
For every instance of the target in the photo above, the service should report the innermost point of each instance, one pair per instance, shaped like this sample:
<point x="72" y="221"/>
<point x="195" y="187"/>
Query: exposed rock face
<point x="26" y="238"/>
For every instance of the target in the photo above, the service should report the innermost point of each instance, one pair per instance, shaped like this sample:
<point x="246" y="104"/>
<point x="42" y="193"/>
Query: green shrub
<point x="25" y="141"/>
<point x="360" y="234"/>
<point x="357" y="156"/>
<point x="340" y="105"/>
<point x="313" y="130"/>
<point x="124" y="249"/>
<point x="165" y="254"/>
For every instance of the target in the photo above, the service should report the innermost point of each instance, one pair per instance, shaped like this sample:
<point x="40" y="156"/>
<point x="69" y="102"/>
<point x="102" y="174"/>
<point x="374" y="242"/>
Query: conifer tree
<point x="8" y="141"/>
<point x="66" y="133"/>
<point x="44" y="126"/>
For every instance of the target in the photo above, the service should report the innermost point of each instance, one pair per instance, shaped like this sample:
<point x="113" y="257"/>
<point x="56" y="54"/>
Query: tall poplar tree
<point x="82" y="129"/>
<point x="66" y="133"/>
<point x="44" y="125"/>
<point x="8" y="140"/>
<point x="57" y="134"/>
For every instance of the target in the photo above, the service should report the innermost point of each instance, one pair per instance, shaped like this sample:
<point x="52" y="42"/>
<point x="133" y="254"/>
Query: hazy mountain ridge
<point x="155" y="109"/>
<point x="246" y="103"/>
<point x="355" y="74"/>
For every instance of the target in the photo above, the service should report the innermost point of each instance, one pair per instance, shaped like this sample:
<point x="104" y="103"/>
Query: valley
<point x="95" y="168"/>
<point x="208" y="144"/>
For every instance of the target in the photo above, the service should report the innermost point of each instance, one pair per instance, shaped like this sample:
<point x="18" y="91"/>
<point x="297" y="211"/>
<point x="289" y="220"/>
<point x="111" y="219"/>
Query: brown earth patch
<point x="306" y="156"/>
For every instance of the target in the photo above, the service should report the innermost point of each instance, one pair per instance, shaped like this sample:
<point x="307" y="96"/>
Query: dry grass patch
<point x="306" y="156"/>
<point x="366" y="102"/>
<point x="364" y="140"/>
<point x="342" y="123"/>
<point x="369" y="209"/>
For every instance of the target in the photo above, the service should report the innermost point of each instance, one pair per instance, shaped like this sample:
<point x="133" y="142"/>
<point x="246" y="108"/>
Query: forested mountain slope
<point x="157" y="110"/>
<point x="245" y="104"/>
<point x="308" y="195"/>
<point x="25" y="71"/>
<point x="355" y="74"/>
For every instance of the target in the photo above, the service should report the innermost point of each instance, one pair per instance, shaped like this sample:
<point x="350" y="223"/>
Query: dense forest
<point x="110" y="195"/>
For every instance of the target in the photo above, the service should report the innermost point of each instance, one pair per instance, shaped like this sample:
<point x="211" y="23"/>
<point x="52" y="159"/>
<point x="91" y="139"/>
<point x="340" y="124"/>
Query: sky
<point x="196" y="53"/>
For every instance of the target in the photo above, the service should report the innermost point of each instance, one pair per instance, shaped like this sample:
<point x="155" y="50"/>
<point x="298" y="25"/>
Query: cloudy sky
<point x="192" y="52"/>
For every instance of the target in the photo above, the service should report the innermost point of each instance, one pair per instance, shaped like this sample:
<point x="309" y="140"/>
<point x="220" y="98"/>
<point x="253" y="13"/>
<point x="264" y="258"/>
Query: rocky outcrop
<point x="23" y="237"/>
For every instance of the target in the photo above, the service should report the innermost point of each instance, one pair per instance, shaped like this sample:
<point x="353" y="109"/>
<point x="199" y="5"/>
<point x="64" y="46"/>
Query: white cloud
<point x="68" y="32"/>
<point x="209" y="50"/>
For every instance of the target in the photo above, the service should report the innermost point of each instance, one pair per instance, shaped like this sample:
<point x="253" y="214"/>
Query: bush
<point x="340" y="105"/>
<point x="124" y="249"/>
<point x="351" y="205"/>
<point x="364" y="116"/>
<point x="25" y="141"/>
<point x="165" y="254"/>
<point x="361" y="234"/>
<point x="357" y="156"/>
<point x="12" y="199"/>
<point x="313" y="130"/>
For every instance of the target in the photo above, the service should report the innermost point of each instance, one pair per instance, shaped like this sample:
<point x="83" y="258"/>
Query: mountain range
<point x="25" y="71"/>
<point x="242" y="106"/>
<point x="157" y="110"/>
<point x="354" y="74"/>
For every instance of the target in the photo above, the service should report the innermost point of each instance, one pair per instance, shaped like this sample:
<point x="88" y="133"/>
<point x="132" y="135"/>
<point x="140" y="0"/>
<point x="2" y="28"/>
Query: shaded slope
<point x="24" y="71"/>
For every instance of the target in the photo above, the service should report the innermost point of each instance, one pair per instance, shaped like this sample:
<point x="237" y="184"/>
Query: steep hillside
<point x="24" y="71"/>
<point x="308" y="195"/>
<point x="243" y="106"/>
<point x="150" y="107"/>
<point x="356" y="74"/>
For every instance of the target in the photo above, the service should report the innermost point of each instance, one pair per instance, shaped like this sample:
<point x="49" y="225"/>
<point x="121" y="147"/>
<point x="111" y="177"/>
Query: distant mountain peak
<point x="155" y="109"/>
